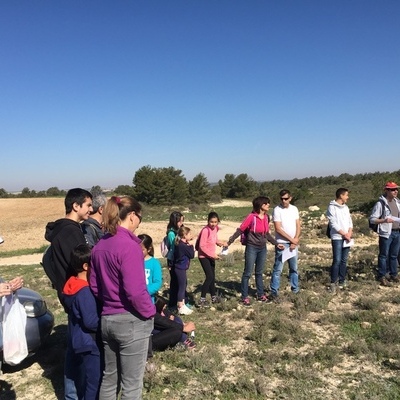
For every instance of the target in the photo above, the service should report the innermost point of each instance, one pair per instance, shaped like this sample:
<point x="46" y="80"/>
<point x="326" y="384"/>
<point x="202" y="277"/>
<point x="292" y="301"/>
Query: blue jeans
<point x="277" y="272"/>
<point x="339" y="262"/>
<point x="253" y="256"/>
<point x="74" y="375"/>
<point x="388" y="253"/>
<point x="126" y="341"/>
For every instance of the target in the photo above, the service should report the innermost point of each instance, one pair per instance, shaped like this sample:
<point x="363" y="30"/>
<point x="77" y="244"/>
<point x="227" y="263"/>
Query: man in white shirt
<point x="287" y="232"/>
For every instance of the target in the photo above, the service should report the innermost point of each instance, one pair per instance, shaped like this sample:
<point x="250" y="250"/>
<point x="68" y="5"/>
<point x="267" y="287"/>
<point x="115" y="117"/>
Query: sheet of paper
<point x="395" y="219"/>
<point x="287" y="253"/>
<point x="348" y="244"/>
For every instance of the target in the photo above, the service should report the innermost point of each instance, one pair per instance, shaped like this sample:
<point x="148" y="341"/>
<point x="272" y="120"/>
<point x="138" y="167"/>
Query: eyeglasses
<point x="285" y="198"/>
<point x="393" y="190"/>
<point x="139" y="216"/>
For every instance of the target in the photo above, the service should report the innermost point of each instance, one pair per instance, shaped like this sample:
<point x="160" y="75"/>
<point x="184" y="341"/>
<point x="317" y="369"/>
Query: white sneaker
<point x="184" y="310"/>
<point x="1" y="240"/>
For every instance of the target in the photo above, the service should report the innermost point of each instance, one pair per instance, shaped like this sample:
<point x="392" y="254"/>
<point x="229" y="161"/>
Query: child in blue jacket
<point x="83" y="324"/>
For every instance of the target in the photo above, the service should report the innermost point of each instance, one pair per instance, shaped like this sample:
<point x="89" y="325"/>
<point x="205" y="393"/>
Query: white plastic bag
<point x="15" y="348"/>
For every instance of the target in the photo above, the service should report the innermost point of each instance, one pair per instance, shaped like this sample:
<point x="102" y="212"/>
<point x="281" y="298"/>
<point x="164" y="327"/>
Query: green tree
<point x="53" y="192"/>
<point x="124" y="190"/>
<point x="199" y="190"/>
<point x="96" y="190"/>
<point x="160" y="186"/>
<point x="243" y="187"/>
<point x="3" y="193"/>
<point x="226" y="185"/>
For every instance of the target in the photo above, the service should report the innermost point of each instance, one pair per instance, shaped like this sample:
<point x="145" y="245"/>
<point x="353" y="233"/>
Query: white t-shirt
<point x="288" y="218"/>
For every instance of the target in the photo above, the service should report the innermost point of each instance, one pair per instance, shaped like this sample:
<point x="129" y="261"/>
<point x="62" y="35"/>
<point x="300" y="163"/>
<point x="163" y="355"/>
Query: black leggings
<point x="208" y="265"/>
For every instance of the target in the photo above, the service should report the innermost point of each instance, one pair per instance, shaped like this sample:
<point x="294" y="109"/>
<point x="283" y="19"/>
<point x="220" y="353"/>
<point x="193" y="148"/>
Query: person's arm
<point x="134" y="281"/>
<point x="242" y="228"/>
<point x="87" y="306"/>
<point x="156" y="277"/>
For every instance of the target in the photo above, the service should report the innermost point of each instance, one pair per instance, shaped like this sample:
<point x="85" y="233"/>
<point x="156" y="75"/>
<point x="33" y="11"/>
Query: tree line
<point x="168" y="186"/>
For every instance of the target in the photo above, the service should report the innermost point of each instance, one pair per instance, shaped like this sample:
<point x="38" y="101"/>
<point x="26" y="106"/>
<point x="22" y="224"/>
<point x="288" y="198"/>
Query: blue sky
<point x="91" y="91"/>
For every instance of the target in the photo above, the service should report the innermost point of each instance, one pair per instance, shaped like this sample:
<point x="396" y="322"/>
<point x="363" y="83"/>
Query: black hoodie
<point x="64" y="235"/>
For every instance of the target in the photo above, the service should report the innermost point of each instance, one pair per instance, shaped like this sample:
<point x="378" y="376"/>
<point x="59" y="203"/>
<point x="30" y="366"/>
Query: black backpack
<point x="49" y="266"/>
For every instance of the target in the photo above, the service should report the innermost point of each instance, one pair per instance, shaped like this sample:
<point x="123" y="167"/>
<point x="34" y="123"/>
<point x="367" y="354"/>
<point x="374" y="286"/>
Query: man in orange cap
<point x="382" y="214"/>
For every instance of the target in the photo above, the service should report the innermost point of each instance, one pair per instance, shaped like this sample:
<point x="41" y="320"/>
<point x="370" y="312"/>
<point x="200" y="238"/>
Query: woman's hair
<point x="160" y="304"/>
<point x="259" y="201"/>
<point x="147" y="242"/>
<point x="117" y="210"/>
<point x="174" y="218"/>
<point x="182" y="231"/>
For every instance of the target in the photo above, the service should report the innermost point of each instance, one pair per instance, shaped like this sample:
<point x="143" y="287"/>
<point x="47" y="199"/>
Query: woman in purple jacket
<point x="118" y="280"/>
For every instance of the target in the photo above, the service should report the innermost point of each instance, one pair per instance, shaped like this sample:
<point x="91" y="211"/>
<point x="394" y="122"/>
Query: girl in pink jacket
<point x="205" y="245"/>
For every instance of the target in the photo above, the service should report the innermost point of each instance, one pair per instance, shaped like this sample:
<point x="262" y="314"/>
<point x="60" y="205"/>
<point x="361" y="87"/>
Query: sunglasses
<point x="285" y="198"/>
<point x="393" y="190"/>
<point x="138" y="215"/>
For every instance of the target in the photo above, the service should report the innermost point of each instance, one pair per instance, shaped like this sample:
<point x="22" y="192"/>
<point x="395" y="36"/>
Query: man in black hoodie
<point x="64" y="235"/>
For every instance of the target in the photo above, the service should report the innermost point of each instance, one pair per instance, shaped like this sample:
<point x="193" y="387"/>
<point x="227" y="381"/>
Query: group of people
<point x="107" y="278"/>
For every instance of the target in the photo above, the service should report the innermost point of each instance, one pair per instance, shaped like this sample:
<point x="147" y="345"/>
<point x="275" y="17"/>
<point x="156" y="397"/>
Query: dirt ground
<point x="23" y="221"/>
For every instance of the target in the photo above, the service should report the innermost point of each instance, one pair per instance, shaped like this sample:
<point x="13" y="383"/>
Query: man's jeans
<point x="277" y="272"/>
<point x="388" y="253"/>
<point x="253" y="255"/>
<point x="126" y="342"/>
<point x="339" y="262"/>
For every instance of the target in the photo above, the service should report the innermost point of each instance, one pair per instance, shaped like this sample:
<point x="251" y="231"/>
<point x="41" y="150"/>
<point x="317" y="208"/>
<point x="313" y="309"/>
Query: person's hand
<point x="189" y="327"/>
<point x="5" y="289"/>
<point x="292" y="246"/>
<point x="16" y="283"/>
<point x="295" y="241"/>
<point x="280" y="246"/>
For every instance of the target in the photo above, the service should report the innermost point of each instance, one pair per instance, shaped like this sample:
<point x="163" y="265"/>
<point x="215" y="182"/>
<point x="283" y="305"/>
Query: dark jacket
<point x="183" y="253"/>
<point x="83" y="316"/>
<point x="64" y="235"/>
<point x="92" y="230"/>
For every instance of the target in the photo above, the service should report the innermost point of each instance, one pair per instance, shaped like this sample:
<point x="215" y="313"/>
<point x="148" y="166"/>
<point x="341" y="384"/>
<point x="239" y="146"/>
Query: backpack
<point x="328" y="231"/>
<point x="49" y="266"/>
<point x="197" y="244"/>
<point x="372" y="226"/>
<point x="164" y="247"/>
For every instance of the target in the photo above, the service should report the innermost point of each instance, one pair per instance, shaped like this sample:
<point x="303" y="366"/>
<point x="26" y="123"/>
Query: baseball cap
<point x="391" y="185"/>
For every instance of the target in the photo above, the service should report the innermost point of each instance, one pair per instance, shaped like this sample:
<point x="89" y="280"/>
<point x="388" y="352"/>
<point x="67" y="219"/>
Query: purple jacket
<point x="117" y="276"/>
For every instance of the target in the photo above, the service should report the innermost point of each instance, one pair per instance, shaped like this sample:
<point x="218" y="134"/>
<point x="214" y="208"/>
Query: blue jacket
<point x="183" y="253"/>
<point x="83" y="316"/>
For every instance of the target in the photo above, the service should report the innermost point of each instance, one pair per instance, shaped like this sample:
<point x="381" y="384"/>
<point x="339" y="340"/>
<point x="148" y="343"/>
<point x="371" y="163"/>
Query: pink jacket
<point x="208" y="240"/>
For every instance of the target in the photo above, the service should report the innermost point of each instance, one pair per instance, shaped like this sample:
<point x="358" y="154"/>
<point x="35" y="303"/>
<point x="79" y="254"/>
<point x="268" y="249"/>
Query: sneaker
<point x="1" y="240"/>
<point x="184" y="310"/>
<point x="342" y="285"/>
<point x="217" y="299"/>
<point x="262" y="299"/>
<point x="246" y="302"/>
<point x="332" y="288"/>
<point x="203" y="303"/>
<point x="394" y="279"/>
<point x="189" y="344"/>
<point x="384" y="281"/>
<point x="272" y="299"/>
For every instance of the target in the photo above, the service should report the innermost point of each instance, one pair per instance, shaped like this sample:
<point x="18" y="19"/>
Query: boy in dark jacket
<point x="83" y="323"/>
